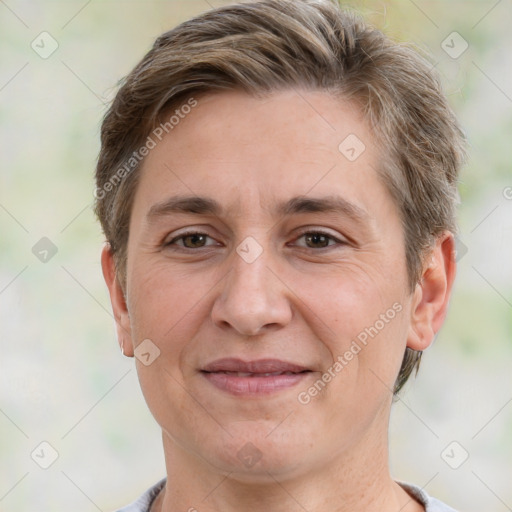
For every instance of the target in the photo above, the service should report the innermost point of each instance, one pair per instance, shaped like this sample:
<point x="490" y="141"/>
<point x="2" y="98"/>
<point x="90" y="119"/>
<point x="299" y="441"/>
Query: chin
<point x="254" y="457"/>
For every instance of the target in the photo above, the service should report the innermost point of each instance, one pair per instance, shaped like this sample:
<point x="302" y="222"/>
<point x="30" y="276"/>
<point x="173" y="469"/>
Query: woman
<point x="277" y="185"/>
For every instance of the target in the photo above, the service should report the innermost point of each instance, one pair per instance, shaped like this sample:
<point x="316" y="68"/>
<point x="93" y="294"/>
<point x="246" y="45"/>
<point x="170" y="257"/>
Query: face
<point x="266" y="265"/>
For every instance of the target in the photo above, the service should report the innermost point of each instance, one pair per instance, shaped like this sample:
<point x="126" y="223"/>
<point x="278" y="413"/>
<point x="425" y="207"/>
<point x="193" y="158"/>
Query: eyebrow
<point x="300" y="204"/>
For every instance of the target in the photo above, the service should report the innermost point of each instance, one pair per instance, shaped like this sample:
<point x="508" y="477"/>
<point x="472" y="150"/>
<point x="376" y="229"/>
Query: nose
<point x="253" y="298"/>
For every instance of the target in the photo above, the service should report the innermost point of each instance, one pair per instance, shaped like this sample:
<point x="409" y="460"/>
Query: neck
<point x="355" y="481"/>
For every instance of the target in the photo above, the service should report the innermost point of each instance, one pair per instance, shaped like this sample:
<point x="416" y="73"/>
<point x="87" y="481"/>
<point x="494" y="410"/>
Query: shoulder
<point x="430" y="504"/>
<point x="144" y="502"/>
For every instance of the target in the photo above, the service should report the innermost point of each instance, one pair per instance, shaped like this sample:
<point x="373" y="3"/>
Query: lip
<point x="231" y="364"/>
<point x="251" y="378"/>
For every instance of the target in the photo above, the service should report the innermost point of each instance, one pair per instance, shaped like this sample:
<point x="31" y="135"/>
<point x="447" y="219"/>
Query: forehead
<point x="254" y="152"/>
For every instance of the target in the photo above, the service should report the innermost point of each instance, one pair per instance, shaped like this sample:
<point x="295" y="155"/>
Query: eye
<point x="193" y="240"/>
<point x="311" y="240"/>
<point x="318" y="240"/>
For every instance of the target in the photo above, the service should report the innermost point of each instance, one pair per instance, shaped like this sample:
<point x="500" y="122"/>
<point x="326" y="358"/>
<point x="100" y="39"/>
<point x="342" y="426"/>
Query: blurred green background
<point x="62" y="378"/>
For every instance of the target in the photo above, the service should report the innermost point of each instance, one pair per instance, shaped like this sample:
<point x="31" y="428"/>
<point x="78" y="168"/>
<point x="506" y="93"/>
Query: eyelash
<point x="301" y="234"/>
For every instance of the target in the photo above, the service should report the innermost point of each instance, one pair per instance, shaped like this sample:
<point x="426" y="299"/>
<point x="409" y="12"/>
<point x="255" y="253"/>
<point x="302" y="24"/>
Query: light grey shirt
<point x="143" y="504"/>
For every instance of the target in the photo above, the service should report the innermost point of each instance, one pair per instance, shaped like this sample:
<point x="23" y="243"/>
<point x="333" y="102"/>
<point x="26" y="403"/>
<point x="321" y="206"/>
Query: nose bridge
<point x="249" y="279"/>
<point x="251" y="297"/>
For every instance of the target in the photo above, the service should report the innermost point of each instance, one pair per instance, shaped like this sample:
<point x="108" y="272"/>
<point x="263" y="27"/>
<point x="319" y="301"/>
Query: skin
<point x="302" y="300"/>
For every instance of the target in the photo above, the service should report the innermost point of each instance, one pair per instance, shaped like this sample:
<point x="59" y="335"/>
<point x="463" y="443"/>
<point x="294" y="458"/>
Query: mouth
<point x="259" y="366"/>
<point x="255" y="374"/>
<point x="254" y="378"/>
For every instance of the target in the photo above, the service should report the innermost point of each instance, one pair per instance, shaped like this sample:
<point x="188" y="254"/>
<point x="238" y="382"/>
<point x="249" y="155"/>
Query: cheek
<point x="164" y="301"/>
<point x="383" y="343"/>
<point x="347" y="300"/>
<point x="169" y="307"/>
<point x="361" y="317"/>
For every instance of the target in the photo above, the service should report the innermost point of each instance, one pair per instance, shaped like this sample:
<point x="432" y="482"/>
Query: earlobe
<point x="432" y="294"/>
<point x="118" y="301"/>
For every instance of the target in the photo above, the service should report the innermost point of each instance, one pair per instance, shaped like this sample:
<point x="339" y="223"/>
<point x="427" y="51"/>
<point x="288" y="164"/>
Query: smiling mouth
<point x="231" y="365"/>
<point x="253" y="384"/>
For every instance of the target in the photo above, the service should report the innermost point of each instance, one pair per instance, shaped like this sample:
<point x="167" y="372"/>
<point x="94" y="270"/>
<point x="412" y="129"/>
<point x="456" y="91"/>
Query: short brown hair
<point x="270" y="45"/>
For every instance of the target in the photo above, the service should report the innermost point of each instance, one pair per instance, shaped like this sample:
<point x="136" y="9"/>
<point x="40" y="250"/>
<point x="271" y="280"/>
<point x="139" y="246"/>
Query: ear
<point x="432" y="294"/>
<point x="118" y="301"/>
